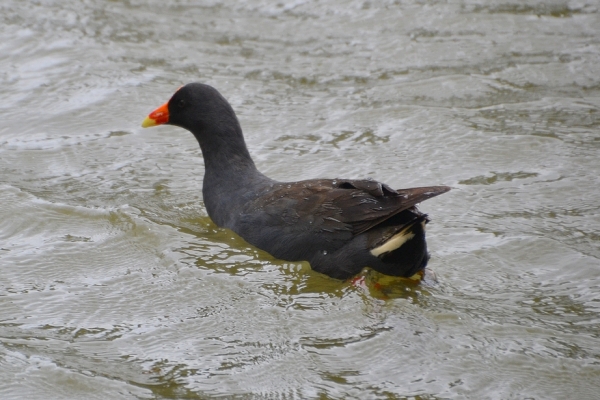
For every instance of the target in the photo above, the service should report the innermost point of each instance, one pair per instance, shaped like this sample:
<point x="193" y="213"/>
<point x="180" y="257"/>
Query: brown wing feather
<point x="347" y="205"/>
<point x="364" y="209"/>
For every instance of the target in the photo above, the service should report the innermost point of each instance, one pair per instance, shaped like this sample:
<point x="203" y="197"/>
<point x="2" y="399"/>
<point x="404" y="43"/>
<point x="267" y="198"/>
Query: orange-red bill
<point x="157" y="117"/>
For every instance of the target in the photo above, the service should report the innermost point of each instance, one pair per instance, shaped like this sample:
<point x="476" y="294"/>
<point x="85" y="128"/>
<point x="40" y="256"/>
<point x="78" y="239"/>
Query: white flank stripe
<point x="393" y="243"/>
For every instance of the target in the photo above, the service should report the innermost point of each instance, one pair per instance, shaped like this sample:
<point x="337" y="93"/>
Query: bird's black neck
<point x="225" y="153"/>
<point x="230" y="177"/>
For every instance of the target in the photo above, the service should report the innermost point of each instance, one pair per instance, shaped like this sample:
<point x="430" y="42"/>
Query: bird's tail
<point x="404" y="252"/>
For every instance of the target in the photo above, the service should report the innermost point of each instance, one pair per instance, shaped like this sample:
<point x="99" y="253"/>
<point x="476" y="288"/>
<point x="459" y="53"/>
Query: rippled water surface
<point x="115" y="284"/>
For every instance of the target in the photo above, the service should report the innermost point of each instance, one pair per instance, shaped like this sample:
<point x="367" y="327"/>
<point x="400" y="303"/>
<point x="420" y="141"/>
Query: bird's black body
<point x="339" y="226"/>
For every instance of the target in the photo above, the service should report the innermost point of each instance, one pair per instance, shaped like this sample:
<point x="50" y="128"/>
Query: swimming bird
<point x="339" y="226"/>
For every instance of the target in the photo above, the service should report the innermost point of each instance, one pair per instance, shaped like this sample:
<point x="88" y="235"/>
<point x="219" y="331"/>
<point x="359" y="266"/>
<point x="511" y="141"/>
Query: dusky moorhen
<point x="339" y="226"/>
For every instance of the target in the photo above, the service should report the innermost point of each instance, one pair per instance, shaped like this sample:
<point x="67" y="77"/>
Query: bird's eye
<point x="181" y="103"/>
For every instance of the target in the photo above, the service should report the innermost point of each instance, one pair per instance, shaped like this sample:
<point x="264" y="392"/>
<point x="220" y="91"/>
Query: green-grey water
<point x="114" y="283"/>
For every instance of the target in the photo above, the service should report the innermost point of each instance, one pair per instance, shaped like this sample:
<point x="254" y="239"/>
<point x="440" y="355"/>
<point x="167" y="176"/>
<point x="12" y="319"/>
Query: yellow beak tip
<point x="148" y="122"/>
